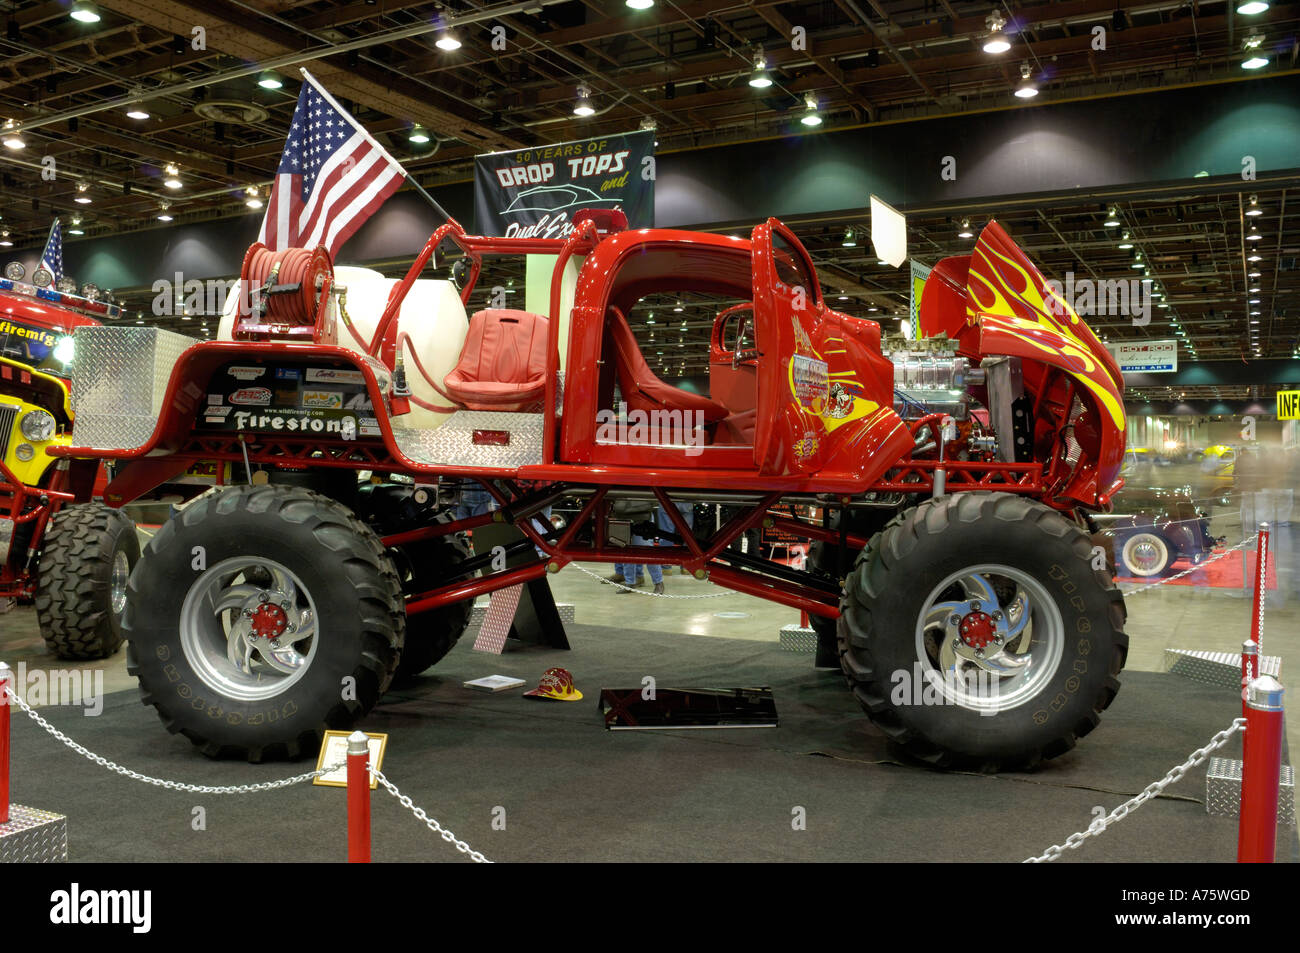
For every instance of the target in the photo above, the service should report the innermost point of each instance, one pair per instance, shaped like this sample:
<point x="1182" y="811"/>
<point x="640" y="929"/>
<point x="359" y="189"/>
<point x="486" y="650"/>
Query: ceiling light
<point x="1253" y="209"/>
<point x="1253" y="274"/>
<point x="270" y="80"/>
<point x="84" y="12"/>
<point x="163" y="214"/>
<point x="1252" y="42"/>
<point x="419" y="135"/>
<point x="135" y="112"/>
<point x="253" y="199"/>
<point x="996" y="42"/>
<point x="1125" y="243"/>
<point x="83" y="194"/>
<point x="1253" y="235"/>
<point x="1253" y="301"/>
<point x="13" y="140"/>
<point x="1254" y="258"/>
<point x="1251" y="7"/>
<point x="1026" y="89"/>
<point x="760" y="79"/>
<point x="173" y="180"/>
<point x="849" y="240"/>
<point x="4" y="239"/>
<point x="1112" y="218"/>
<point x="810" y="117"/>
<point x="649" y="125"/>
<point x="583" y="107"/>
<point x="447" y="42"/>
<point x="640" y="4"/>
<point x="1254" y="62"/>
<point x="965" y="229"/>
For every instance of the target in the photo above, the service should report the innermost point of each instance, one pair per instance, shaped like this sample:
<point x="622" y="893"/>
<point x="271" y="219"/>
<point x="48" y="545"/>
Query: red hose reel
<point x="284" y="291"/>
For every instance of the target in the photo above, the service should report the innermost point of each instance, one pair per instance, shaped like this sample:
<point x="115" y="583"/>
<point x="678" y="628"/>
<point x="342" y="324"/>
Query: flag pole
<point x="376" y="143"/>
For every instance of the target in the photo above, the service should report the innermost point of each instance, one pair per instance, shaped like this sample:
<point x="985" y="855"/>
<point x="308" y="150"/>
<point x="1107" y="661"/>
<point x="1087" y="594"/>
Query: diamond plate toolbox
<point x="798" y="638"/>
<point x="1223" y="790"/>
<point x="1216" y="668"/>
<point x="119" y="378"/>
<point x="33" y="837"/>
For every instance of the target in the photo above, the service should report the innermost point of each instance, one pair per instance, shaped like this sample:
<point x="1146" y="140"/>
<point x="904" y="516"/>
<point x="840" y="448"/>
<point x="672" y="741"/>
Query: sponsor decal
<point x="216" y="399"/>
<point x="334" y="375"/>
<point x="258" y="396"/>
<point x="810" y="377"/>
<point x="288" y="373"/>
<point x="369" y="427"/>
<point x="359" y="402"/>
<point x="217" y="412"/>
<point x="246" y="420"/>
<point x="246" y="373"/>
<point x="326" y="399"/>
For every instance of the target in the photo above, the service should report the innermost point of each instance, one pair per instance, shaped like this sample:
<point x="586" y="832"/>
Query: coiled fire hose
<point x="264" y="269"/>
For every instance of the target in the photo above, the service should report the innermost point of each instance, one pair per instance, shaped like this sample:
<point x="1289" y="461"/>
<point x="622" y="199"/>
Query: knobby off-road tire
<point x="431" y="635"/>
<point x="237" y="569"/>
<point x="86" y="557"/>
<point x="911" y="599"/>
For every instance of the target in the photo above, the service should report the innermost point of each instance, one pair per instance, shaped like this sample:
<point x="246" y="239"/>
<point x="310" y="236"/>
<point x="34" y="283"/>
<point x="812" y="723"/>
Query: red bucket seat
<point x="502" y="364"/>
<point x="641" y="388"/>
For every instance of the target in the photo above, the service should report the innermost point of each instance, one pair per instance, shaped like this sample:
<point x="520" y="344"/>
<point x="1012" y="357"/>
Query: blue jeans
<point x="632" y="571"/>
<point x="663" y="521"/>
<point x="474" y="501"/>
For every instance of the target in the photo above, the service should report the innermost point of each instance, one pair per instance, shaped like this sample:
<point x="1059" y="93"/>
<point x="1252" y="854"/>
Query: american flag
<point x="332" y="177"/>
<point x="52" y="257"/>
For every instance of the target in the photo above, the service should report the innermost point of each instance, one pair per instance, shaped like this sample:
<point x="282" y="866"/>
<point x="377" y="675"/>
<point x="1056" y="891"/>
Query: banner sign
<point x="1145" y="357"/>
<point x="1288" y="405"/>
<point x="534" y="193"/>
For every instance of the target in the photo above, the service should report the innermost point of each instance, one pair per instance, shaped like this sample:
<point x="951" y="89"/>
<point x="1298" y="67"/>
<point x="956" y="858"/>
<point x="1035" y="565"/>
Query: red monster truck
<point x="975" y="624"/>
<point x="71" y="560"/>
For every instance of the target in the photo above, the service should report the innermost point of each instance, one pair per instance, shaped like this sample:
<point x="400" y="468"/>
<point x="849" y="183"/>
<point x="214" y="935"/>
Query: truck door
<point x="793" y="382"/>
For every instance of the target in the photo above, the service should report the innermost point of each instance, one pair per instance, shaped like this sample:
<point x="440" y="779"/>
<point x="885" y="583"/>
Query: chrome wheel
<point x="989" y="638"/>
<point x="248" y="628"/>
<point x="120" y="573"/>
<point x="1145" y="554"/>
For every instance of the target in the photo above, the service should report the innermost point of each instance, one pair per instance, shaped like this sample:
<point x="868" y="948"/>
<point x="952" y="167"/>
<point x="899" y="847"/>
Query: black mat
<point x="573" y="791"/>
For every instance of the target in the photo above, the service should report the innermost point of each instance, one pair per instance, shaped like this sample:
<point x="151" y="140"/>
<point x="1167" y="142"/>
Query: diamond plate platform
<point x="1216" y="668"/>
<point x="119" y="378"/>
<point x="1223" y="790"/>
<point x="33" y="837"/>
<point x="452" y="444"/>
<point x="798" y="638"/>
<point x="568" y="613"/>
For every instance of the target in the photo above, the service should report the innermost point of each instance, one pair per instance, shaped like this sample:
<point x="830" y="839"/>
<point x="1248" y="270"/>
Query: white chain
<point x="1187" y="572"/>
<point x="1132" y="804"/>
<point x="161" y="782"/>
<point x="1261" y="589"/>
<point x="429" y="822"/>
<point x="657" y="595"/>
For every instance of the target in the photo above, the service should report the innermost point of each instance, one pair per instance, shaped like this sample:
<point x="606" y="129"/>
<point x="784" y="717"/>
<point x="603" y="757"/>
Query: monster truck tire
<point x="238" y="569"/>
<point x="923" y="582"/>
<point x="432" y="634"/>
<point x="86" y="556"/>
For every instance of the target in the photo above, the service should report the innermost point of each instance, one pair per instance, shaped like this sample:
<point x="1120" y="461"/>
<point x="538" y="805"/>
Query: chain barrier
<point x="429" y="822"/>
<point x="161" y="782"/>
<point x="1187" y="572"/>
<point x="633" y="589"/>
<point x="1133" y="803"/>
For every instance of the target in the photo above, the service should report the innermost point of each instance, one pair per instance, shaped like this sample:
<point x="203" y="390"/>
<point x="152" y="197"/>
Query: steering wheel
<point x="742" y="354"/>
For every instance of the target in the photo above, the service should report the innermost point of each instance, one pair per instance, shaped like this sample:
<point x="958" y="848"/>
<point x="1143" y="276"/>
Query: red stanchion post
<point x="1249" y="668"/>
<point x="358" y="798"/>
<point x="1261" y="580"/>
<point x="6" y="683"/>
<point x="1261" y="770"/>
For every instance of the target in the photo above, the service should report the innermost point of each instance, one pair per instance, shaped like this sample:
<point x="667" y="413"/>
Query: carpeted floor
<point x="573" y="791"/>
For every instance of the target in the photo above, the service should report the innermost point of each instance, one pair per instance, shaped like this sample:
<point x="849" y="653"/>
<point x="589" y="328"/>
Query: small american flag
<point x="52" y="257"/>
<point x="332" y="177"/>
